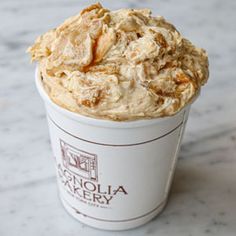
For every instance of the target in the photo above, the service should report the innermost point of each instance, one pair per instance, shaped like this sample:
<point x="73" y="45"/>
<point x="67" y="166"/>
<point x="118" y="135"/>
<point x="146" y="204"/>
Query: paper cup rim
<point x="102" y="122"/>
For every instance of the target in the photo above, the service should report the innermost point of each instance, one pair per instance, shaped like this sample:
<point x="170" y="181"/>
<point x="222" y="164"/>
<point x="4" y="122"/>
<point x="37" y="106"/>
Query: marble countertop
<point x="203" y="196"/>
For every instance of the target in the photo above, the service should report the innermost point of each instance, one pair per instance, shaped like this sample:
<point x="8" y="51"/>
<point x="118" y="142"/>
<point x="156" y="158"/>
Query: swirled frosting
<point x="119" y="65"/>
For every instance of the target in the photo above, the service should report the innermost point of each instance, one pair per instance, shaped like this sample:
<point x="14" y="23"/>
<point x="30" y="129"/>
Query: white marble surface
<point x="203" y="197"/>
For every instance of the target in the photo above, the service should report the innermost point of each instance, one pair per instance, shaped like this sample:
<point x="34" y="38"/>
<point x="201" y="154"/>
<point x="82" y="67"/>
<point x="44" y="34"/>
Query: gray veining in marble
<point x="203" y="197"/>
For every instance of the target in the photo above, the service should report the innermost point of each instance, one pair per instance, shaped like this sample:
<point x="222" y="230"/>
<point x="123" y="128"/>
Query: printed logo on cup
<point x="79" y="162"/>
<point x="78" y="173"/>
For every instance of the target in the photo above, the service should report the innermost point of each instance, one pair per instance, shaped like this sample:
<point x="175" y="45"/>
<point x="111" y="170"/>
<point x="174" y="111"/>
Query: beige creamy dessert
<point x="119" y="65"/>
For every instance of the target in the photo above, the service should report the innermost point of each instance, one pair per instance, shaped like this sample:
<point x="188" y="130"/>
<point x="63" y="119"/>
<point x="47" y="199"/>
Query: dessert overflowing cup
<point x="117" y="87"/>
<point x="113" y="175"/>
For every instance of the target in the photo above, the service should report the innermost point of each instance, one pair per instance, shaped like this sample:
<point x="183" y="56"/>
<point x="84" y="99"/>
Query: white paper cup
<point x="113" y="175"/>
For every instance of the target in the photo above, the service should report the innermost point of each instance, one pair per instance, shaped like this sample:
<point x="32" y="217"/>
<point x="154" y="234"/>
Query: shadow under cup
<point x="113" y="175"/>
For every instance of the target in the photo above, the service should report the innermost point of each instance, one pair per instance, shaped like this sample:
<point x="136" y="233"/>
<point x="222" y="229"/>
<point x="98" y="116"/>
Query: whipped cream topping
<point x="119" y="65"/>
